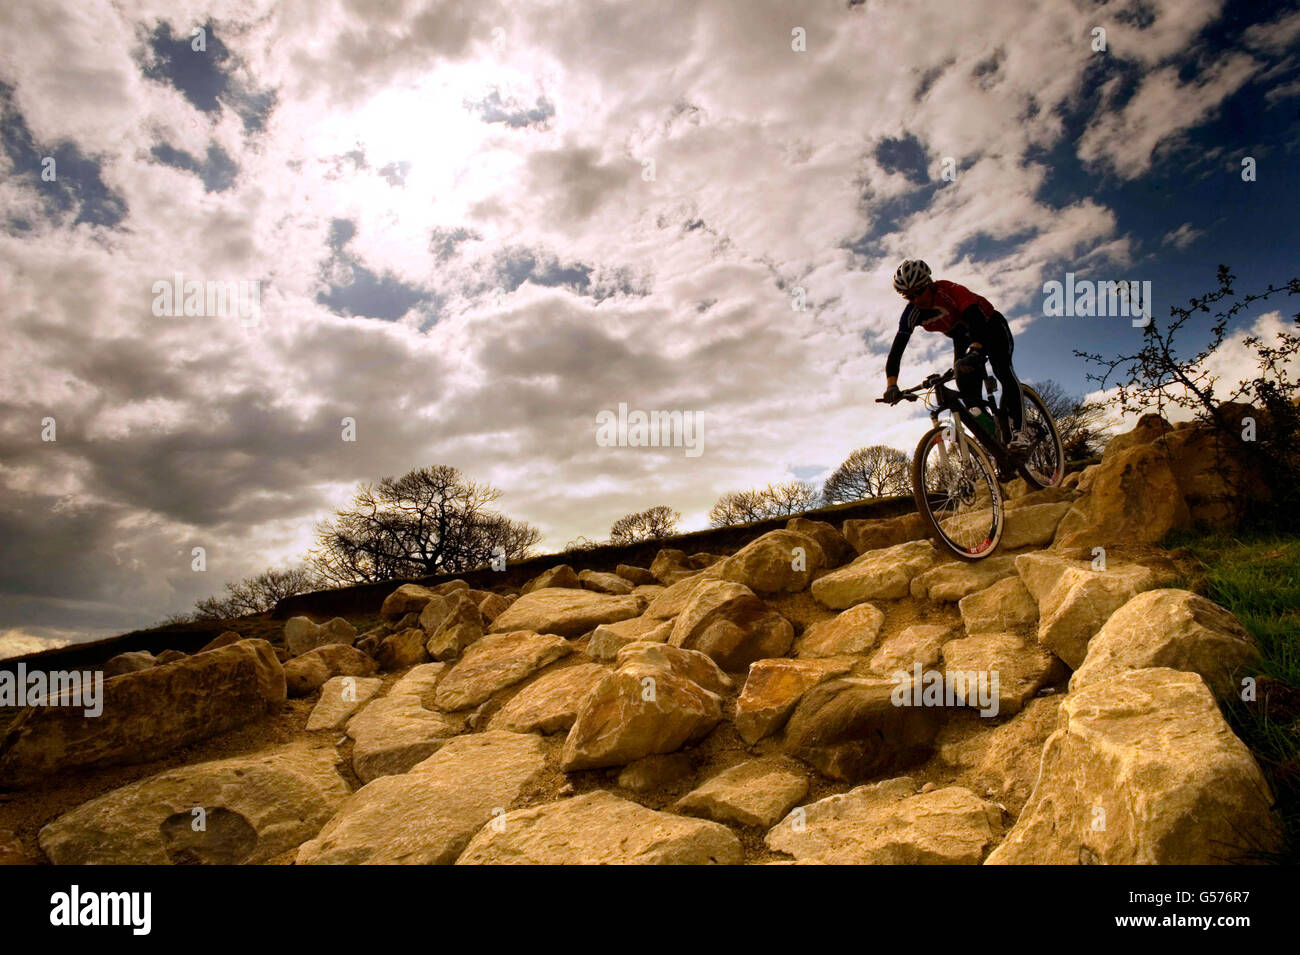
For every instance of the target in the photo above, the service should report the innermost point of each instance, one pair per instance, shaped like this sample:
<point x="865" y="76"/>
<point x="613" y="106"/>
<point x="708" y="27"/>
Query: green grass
<point x="1257" y="578"/>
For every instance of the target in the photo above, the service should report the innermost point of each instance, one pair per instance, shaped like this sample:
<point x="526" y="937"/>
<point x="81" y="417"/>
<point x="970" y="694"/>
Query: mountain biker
<point x="978" y="332"/>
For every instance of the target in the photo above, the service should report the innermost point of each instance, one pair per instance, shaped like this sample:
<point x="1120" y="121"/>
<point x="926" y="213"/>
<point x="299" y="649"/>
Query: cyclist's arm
<point x="901" y="338"/>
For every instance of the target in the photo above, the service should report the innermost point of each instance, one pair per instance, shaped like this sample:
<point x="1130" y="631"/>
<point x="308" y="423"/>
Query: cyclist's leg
<point x="999" y="351"/>
<point x="968" y="383"/>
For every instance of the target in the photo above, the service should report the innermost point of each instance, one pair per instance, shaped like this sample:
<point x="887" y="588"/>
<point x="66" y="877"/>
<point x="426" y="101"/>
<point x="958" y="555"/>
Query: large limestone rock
<point x="605" y="583"/>
<point x="609" y="638"/>
<point x="778" y="561"/>
<point x="562" y="576"/>
<point x="253" y="809"/>
<point x="673" y="599"/>
<point x="856" y="630"/>
<point x="397" y="731"/>
<point x="754" y="793"/>
<point x="301" y="635"/>
<point x="550" y="703"/>
<point x="834" y="544"/>
<point x="1005" y="607"/>
<point x="1143" y="770"/>
<point x="1148" y="429"/>
<point x="1170" y="628"/>
<point x="732" y="625"/>
<point x="1134" y="497"/>
<point x="891" y="823"/>
<point x="689" y="664"/>
<point x="951" y="581"/>
<point x="427" y="815"/>
<point x="1081" y="601"/>
<point x="1039" y="572"/>
<point x="340" y="697"/>
<point x="130" y="662"/>
<point x="850" y="728"/>
<point x="1020" y="667"/>
<point x="876" y="575"/>
<point x="1211" y="471"/>
<point x="460" y="625"/>
<point x="869" y="535"/>
<point x="492" y="606"/>
<point x="921" y="643"/>
<point x="146" y="715"/>
<point x="638" y="576"/>
<point x="601" y="829"/>
<point x="565" y="611"/>
<point x="671" y="565"/>
<point x="496" y="662"/>
<point x="305" y="674"/>
<point x="408" y="598"/>
<point x="402" y="649"/>
<point x="774" y="688"/>
<point x="1031" y="526"/>
<point x="646" y="706"/>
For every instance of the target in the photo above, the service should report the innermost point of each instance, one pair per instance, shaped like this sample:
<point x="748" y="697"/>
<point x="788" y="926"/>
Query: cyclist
<point x="978" y="332"/>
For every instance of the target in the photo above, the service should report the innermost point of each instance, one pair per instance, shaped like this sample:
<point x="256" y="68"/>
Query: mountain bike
<point x="957" y="490"/>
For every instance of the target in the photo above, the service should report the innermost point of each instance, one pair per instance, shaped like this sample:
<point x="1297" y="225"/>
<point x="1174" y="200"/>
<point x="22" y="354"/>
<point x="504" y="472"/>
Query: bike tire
<point x="1039" y="480"/>
<point x="924" y="507"/>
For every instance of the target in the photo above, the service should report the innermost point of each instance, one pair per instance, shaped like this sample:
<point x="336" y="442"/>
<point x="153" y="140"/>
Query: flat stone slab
<point x="427" y="815"/>
<point x="877" y="575"/>
<point x="569" y="612"/>
<point x="856" y="630"/>
<point x="891" y="823"/>
<point x="550" y="704"/>
<point x="146" y="714"/>
<point x="251" y="809"/>
<point x="599" y="828"/>
<point x="396" y="731"/>
<point x="340" y="697"/>
<point x="755" y="793"/>
<point x="496" y="662"/>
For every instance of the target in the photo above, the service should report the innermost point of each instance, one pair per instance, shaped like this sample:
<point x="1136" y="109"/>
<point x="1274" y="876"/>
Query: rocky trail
<point x="822" y="694"/>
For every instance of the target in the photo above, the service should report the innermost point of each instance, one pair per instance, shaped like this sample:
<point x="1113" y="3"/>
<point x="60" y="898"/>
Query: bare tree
<point x="874" y="471"/>
<point x="654" y="523"/>
<point x="429" y="521"/>
<point x="1156" y="377"/>
<point x="1080" y="422"/>
<point x="775" y="500"/>
<point x="257" y="594"/>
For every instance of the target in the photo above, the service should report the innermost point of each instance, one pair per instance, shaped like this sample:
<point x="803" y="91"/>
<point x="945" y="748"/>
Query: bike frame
<point x="947" y="399"/>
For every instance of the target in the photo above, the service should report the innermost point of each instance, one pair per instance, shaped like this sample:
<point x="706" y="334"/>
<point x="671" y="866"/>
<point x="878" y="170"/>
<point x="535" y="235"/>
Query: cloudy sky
<point x="478" y="224"/>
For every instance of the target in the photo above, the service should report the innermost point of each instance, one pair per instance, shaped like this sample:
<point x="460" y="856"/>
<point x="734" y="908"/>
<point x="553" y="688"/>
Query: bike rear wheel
<point x="1044" y="464"/>
<point x="957" y="495"/>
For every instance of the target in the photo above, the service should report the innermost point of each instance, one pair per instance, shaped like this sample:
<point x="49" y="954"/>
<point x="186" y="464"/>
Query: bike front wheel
<point x="957" y="495"/>
<point x="1044" y="464"/>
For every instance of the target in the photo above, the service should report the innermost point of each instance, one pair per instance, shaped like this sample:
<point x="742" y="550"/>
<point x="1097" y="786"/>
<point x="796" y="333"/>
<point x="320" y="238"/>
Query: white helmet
<point x="913" y="274"/>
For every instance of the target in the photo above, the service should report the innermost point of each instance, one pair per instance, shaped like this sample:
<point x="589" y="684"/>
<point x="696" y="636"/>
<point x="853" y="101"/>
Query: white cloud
<point x="1183" y="236"/>
<point x="174" y="433"/>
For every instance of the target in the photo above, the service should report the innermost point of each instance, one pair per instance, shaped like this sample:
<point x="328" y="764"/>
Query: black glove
<point x="893" y="395"/>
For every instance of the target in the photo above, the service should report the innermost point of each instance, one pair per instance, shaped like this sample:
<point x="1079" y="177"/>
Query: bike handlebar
<point x="909" y="394"/>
